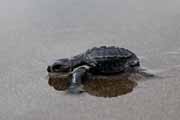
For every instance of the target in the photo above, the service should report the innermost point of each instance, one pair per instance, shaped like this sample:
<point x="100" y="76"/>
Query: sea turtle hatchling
<point x="96" y="61"/>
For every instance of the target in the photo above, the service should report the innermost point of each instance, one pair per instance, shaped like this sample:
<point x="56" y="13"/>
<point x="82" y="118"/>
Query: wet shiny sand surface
<point x="34" y="32"/>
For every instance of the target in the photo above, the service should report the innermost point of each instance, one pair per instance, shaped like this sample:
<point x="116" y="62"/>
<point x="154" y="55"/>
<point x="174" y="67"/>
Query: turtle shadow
<point x="59" y="83"/>
<point x="109" y="86"/>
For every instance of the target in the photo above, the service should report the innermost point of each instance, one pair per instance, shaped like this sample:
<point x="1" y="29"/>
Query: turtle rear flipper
<point x="148" y="74"/>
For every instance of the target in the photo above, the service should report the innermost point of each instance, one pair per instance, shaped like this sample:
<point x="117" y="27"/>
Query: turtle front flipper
<point x="76" y="82"/>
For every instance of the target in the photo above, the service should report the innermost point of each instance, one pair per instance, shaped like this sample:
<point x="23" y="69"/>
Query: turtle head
<point x="60" y="66"/>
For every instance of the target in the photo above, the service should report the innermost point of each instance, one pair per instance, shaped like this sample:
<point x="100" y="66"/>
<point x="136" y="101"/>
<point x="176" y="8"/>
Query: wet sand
<point x="35" y="32"/>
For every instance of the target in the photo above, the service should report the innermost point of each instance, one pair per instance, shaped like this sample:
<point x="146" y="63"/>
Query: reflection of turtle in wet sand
<point x="100" y="70"/>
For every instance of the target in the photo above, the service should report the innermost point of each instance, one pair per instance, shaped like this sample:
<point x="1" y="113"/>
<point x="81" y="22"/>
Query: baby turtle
<point x="101" y="61"/>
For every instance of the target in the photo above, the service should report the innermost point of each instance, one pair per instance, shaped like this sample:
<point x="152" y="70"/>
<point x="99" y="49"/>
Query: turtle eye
<point x="56" y="67"/>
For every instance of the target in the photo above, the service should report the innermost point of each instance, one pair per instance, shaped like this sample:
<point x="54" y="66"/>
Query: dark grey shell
<point x="110" y="60"/>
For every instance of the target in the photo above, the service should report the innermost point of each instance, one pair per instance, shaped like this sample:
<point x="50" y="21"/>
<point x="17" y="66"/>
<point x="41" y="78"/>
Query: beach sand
<point x="32" y="33"/>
